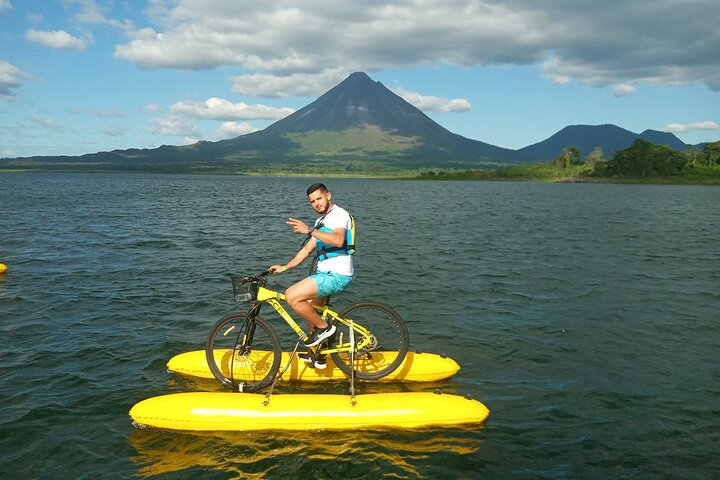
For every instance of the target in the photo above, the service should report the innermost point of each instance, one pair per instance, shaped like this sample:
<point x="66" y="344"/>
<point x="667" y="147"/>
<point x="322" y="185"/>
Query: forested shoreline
<point x="642" y="162"/>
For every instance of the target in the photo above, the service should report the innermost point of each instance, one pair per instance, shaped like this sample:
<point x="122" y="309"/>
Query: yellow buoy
<point x="3" y="268"/>
<point x="416" y="367"/>
<point x="207" y="411"/>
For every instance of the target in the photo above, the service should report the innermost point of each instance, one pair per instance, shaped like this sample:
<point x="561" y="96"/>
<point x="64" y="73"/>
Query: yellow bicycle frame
<point x="363" y="338"/>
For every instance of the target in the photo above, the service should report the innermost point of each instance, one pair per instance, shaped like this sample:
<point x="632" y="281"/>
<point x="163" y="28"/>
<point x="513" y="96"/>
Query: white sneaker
<point x="319" y="335"/>
<point x="320" y="361"/>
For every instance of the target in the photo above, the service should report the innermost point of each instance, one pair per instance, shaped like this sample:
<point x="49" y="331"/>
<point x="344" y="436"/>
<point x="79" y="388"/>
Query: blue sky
<point x="81" y="76"/>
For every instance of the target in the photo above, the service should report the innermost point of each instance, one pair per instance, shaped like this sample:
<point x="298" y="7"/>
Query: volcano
<point x="360" y="119"/>
<point x="358" y="125"/>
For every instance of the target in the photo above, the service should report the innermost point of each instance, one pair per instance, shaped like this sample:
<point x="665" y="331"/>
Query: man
<point x="332" y="238"/>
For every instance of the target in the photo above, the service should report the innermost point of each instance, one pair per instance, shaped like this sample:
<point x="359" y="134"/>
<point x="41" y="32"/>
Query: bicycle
<point x="370" y="341"/>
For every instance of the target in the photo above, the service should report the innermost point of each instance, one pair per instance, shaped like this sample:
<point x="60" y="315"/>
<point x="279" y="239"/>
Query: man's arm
<point x="336" y="238"/>
<point x="299" y="257"/>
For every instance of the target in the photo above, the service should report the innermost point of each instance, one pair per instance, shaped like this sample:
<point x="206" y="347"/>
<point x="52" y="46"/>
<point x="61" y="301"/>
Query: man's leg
<point x="300" y="296"/>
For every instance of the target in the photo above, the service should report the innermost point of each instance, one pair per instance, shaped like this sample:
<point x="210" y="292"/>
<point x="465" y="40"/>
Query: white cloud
<point x="56" y="39"/>
<point x="89" y="12"/>
<point x="5" y="5"/>
<point x="548" y="69"/>
<point x="291" y="36"/>
<point x="597" y="44"/>
<point x="234" y="129"/>
<point x="10" y="79"/>
<point x="623" y="90"/>
<point x="689" y="127"/>
<point x="174" y="127"/>
<point x="115" y="131"/>
<point x="297" y="84"/>
<point x="152" y="108"/>
<point x="221" y="109"/>
<point x="103" y="113"/>
<point x="433" y="104"/>
<point x="48" y="123"/>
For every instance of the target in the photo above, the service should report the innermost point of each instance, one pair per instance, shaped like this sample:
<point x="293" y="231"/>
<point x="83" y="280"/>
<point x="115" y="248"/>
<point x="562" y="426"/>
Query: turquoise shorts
<point x="329" y="283"/>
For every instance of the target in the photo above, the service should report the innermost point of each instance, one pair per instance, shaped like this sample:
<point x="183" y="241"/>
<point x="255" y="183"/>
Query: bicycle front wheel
<point x="388" y="346"/>
<point x="243" y="352"/>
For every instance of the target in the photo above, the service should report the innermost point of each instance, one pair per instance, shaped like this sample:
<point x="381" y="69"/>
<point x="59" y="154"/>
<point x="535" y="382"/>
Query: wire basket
<point x="241" y="290"/>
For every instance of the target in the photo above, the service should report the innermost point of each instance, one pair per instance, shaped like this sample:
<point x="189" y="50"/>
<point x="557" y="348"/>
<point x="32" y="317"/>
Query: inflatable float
<point x="205" y="411"/>
<point x="416" y="367"/>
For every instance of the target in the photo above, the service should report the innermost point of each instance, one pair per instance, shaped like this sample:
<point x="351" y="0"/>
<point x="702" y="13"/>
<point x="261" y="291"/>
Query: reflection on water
<point x="280" y="455"/>
<point x="262" y="455"/>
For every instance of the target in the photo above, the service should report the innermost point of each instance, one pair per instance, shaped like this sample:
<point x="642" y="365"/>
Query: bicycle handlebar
<point x="255" y="278"/>
<point x="243" y="293"/>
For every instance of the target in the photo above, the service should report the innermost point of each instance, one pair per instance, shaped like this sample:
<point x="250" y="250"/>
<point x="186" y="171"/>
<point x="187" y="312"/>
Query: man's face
<point x="320" y="201"/>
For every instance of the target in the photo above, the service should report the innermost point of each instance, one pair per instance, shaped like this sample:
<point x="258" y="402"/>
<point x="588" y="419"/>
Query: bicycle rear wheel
<point x="243" y="352"/>
<point x="390" y="341"/>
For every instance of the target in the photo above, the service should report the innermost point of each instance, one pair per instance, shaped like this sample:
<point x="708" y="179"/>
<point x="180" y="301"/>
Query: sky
<point x="83" y="76"/>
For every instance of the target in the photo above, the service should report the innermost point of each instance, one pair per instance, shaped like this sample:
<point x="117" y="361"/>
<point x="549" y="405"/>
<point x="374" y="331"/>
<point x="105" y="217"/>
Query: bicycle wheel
<point x="389" y="345"/>
<point x="243" y="353"/>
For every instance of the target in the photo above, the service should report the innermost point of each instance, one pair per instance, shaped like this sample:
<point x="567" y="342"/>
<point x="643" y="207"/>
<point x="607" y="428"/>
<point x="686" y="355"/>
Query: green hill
<point x="357" y="126"/>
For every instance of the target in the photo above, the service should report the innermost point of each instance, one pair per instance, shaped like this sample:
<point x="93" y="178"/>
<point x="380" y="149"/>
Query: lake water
<point x="586" y="317"/>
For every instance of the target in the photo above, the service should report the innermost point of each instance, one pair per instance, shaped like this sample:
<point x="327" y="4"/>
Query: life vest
<point x="325" y="251"/>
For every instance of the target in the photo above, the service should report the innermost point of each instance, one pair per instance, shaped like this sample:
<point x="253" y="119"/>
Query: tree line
<point x="643" y="158"/>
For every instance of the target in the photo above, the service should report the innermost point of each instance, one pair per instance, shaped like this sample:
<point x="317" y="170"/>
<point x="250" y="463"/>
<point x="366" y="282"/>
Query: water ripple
<point x="584" y="316"/>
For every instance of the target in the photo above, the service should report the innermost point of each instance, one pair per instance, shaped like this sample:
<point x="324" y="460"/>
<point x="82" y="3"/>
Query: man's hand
<point x="277" y="269"/>
<point x="298" y="226"/>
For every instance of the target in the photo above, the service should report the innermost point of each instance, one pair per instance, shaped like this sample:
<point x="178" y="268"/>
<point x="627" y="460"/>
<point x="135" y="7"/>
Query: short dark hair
<point x="317" y="186"/>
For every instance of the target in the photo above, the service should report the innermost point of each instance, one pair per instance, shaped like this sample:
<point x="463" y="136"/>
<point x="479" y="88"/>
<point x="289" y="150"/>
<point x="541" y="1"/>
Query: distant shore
<point x="575" y="174"/>
<point x="521" y="173"/>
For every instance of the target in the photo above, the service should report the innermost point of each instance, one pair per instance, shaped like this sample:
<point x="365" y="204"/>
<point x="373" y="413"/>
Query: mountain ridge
<point x="359" y="102"/>
<point x="357" y="122"/>
<point x="610" y="138"/>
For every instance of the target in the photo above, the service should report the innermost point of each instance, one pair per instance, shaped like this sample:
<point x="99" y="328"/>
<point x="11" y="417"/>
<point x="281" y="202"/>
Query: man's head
<point x="317" y="186"/>
<point x="320" y="198"/>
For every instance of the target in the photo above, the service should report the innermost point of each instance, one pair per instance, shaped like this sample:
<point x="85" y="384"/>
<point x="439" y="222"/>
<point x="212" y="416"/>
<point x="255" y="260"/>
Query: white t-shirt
<point x="342" y="264"/>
